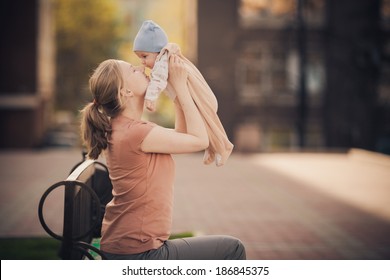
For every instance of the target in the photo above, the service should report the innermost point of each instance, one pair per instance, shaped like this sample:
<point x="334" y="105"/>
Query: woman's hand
<point x="191" y="135"/>
<point x="177" y="72"/>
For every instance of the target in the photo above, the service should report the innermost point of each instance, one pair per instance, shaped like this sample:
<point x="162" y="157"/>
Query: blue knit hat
<point x="150" y="38"/>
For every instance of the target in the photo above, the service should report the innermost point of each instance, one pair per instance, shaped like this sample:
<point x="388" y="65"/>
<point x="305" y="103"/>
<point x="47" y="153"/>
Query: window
<point x="267" y="72"/>
<point x="315" y="72"/>
<point x="261" y="72"/>
<point x="279" y="13"/>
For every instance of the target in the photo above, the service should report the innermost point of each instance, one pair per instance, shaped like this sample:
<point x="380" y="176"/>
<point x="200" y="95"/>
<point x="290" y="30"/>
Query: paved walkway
<point x="282" y="206"/>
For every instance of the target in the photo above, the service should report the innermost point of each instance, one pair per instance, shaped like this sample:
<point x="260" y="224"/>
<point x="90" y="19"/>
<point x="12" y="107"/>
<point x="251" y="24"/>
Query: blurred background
<point x="306" y="78"/>
<point x="288" y="74"/>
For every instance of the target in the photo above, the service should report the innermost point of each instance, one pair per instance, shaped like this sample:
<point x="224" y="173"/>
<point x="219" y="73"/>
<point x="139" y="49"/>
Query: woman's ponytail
<point x="105" y="84"/>
<point x="95" y="128"/>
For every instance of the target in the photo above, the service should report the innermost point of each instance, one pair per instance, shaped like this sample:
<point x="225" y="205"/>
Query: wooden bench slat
<point x="80" y="169"/>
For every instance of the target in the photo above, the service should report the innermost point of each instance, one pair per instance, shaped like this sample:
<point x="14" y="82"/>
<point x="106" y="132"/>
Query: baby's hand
<point x="150" y="105"/>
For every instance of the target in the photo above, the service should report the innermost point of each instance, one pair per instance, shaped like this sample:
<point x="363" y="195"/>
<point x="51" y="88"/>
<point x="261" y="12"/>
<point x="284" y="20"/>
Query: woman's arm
<point x="180" y="121"/>
<point x="164" y="140"/>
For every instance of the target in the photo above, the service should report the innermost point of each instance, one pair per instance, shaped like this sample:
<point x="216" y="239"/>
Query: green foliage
<point x="29" y="249"/>
<point x="41" y="248"/>
<point x="181" y="235"/>
<point x="87" y="32"/>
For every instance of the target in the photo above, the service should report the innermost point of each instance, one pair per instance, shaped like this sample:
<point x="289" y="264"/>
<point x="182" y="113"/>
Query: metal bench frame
<point x="83" y="211"/>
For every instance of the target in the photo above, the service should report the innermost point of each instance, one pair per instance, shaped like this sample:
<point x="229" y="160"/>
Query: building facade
<point x="27" y="72"/>
<point x="296" y="74"/>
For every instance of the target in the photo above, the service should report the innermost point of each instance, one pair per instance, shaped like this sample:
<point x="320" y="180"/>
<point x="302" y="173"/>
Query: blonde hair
<point x="104" y="84"/>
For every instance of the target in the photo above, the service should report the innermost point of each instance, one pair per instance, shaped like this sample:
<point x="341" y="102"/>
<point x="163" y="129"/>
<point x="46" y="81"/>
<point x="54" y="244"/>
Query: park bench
<point x="86" y="192"/>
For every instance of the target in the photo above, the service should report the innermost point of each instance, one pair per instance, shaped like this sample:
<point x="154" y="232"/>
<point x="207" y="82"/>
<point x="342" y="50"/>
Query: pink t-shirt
<point x="139" y="217"/>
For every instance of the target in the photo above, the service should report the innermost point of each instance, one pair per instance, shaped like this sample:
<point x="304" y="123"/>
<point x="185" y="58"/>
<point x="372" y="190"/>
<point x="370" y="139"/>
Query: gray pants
<point x="214" y="247"/>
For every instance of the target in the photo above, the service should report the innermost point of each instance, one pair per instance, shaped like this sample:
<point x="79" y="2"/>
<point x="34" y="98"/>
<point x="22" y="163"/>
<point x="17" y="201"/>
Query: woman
<point x="137" y="221"/>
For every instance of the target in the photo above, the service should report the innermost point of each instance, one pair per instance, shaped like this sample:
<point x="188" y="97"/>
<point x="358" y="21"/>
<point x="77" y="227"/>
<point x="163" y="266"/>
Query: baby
<point x="152" y="47"/>
<point x="148" y="43"/>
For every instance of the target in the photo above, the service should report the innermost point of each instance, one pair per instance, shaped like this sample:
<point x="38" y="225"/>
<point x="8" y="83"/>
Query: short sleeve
<point x="137" y="133"/>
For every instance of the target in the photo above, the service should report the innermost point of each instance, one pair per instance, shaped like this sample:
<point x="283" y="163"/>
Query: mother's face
<point x="134" y="78"/>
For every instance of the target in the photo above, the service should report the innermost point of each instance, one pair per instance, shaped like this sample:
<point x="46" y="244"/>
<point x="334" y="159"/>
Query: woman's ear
<point x="127" y="92"/>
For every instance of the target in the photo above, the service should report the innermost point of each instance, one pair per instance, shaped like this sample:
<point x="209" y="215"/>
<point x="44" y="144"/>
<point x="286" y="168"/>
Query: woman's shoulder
<point x="131" y="124"/>
<point x="132" y="130"/>
<point x="141" y="124"/>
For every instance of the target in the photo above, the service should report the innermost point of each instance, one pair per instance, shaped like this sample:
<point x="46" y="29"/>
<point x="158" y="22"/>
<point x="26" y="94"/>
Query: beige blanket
<point x="220" y="147"/>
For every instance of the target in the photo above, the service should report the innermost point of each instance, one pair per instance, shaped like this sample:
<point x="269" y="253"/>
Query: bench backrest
<point x="87" y="190"/>
<point x="81" y="210"/>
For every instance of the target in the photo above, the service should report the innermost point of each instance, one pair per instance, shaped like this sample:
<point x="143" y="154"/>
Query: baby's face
<point x="147" y="58"/>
